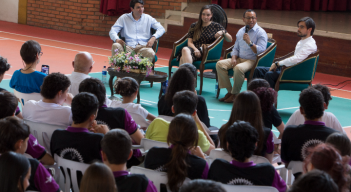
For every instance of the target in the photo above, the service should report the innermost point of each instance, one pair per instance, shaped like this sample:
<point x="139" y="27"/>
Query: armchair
<point x="297" y="77"/>
<point x="211" y="54"/>
<point x="264" y="59"/>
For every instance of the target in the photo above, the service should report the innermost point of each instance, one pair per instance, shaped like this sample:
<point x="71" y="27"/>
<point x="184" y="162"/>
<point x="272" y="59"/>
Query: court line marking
<point x="287" y="108"/>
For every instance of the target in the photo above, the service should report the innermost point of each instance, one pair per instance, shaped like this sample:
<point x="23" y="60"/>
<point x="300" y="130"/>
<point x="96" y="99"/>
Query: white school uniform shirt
<point x="50" y="113"/>
<point x="131" y="108"/>
<point x="328" y="118"/>
<point x="303" y="49"/>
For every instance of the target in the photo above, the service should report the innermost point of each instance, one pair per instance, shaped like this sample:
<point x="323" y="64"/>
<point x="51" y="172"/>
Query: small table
<point x="154" y="76"/>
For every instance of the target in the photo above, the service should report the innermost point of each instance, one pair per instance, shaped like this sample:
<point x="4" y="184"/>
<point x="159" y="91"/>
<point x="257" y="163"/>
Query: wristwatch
<point x="251" y="44"/>
<point x="276" y="64"/>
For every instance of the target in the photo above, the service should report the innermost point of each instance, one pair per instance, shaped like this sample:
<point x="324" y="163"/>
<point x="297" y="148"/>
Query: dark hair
<point x="181" y="80"/>
<point x="185" y="102"/>
<point x="309" y="23"/>
<point x="198" y="25"/>
<point x="133" y="2"/>
<point x="256" y="83"/>
<point x="311" y="100"/>
<point x="94" y="86"/>
<point x="83" y="106"/>
<point x="13" y="170"/>
<point x="116" y="144"/>
<point x="29" y="51"/>
<point x="249" y="10"/>
<point x="11" y="130"/>
<point x="54" y="83"/>
<point x="314" y="181"/>
<point x="126" y="86"/>
<point x="98" y="178"/>
<point x="341" y="142"/>
<point x="326" y="158"/>
<point x="325" y="92"/>
<point x="245" y="108"/>
<point x="183" y="135"/>
<point x="267" y="97"/>
<point x="241" y="138"/>
<point x="191" y="67"/>
<point x="8" y="104"/>
<point x="201" y="185"/>
<point x="4" y="66"/>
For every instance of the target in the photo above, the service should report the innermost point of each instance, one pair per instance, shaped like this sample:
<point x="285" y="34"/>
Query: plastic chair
<point x="147" y="144"/>
<point x="211" y="54"/>
<point x="43" y="132"/>
<point x="140" y="120"/>
<point x="265" y="59"/>
<point x="247" y="188"/>
<point x="220" y="154"/>
<point x="297" y="77"/>
<point x="24" y="97"/>
<point x="74" y="167"/>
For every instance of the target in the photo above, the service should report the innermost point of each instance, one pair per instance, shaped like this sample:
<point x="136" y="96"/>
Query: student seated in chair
<point x="8" y="105"/>
<point x="116" y="150"/>
<point x="183" y="102"/>
<point x="50" y="110"/>
<point x="14" y="136"/>
<point x="305" y="47"/>
<point x="183" y="159"/>
<point x="241" y="141"/>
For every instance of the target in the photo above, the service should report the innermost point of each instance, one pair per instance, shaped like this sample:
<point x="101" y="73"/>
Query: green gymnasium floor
<point x="219" y="112"/>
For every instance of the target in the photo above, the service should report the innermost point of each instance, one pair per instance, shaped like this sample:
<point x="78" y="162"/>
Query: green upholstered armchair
<point x="211" y="54"/>
<point x="297" y="77"/>
<point x="264" y="59"/>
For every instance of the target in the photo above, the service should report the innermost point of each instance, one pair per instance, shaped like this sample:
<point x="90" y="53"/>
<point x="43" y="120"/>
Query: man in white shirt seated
<point x="50" y="110"/>
<point x="135" y="27"/>
<point x="328" y="118"/>
<point x="305" y="47"/>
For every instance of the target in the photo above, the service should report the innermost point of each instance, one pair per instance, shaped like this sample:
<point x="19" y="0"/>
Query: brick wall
<point x="157" y="8"/>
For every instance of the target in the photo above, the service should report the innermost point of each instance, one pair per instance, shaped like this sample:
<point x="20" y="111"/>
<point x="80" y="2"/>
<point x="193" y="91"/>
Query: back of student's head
<point x="267" y="97"/>
<point x="256" y="83"/>
<point x="246" y="107"/>
<point x="94" y="86"/>
<point x="83" y="106"/>
<point x="54" y="83"/>
<point x="241" y="139"/>
<point x="12" y="130"/>
<point x="98" y="178"/>
<point x="183" y="135"/>
<point x="181" y="80"/>
<point x="8" y="104"/>
<point x="191" y="67"/>
<point x="341" y="142"/>
<point x="326" y="158"/>
<point x="325" y="92"/>
<point x="311" y="101"/>
<point x="13" y="170"/>
<point x="29" y="51"/>
<point x="314" y="181"/>
<point x="201" y="185"/>
<point x="117" y="145"/>
<point x="126" y="86"/>
<point x="185" y="102"/>
<point x="4" y="66"/>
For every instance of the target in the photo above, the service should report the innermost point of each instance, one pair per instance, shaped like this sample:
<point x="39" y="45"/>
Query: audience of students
<point x="201" y="185"/>
<point x="247" y="108"/>
<point x="50" y="110"/>
<point x="241" y="142"/>
<point x="98" y="178"/>
<point x="28" y="80"/>
<point x="14" y="136"/>
<point x="183" y="158"/>
<point x="116" y="150"/>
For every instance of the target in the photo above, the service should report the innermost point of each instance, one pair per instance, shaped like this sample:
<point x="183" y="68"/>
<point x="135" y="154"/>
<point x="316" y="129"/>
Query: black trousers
<point x="270" y="76"/>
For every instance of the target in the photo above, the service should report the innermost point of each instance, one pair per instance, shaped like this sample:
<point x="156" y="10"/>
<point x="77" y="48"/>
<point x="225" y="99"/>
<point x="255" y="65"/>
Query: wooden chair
<point x="264" y="59"/>
<point x="297" y="77"/>
<point x="210" y="55"/>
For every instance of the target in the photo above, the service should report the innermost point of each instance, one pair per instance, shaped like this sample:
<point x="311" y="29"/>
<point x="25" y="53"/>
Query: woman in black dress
<point x="204" y="31"/>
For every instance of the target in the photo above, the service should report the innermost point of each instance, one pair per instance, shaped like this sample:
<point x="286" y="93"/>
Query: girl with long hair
<point x="184" y="159"/>
<point x="98" y="178"/>
<point x="203" y="32"/>
<point x="247" y="108"/>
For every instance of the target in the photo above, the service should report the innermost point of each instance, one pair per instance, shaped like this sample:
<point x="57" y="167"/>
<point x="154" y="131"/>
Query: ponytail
<point x="126" y="86"/>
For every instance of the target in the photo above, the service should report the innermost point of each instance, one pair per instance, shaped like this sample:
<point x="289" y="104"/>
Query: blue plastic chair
<point x="211" y="54"/>
<point x="265" y="59"/>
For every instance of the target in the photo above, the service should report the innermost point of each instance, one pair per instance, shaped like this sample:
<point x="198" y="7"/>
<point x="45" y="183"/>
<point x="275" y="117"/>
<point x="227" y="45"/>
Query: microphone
<point x="247" y="28"/>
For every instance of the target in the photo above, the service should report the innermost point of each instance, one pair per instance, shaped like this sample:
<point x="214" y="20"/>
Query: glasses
<point x="249" y="18"/>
